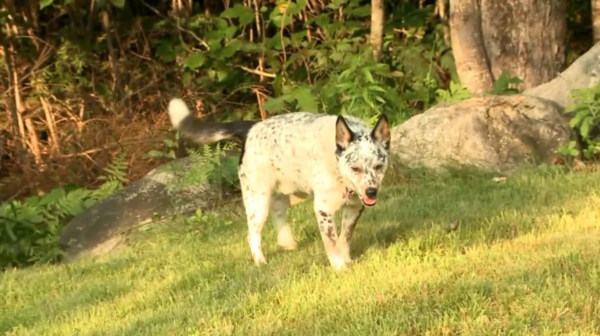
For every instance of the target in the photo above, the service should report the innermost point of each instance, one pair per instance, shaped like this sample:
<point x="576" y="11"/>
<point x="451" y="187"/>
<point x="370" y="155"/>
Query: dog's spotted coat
<point x="340" y="161"/>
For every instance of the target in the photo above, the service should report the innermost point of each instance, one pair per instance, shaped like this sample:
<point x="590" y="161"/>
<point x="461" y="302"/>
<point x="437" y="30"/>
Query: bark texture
<point x="467" y="45"/>
<point x="376" y="36"/>
<point x="596" y="19"/>
<point x="527" y="38"/>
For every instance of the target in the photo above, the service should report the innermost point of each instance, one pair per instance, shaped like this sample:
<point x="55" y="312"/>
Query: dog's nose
<point x="371" y="192"/>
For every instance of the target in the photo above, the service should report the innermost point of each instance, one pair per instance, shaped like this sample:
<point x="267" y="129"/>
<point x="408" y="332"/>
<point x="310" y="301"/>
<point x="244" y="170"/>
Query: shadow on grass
<point x="483" y="210"/>
<point x="417" y="210"/>
<point x="75" y="296"/>
<point x="219" y="291"/>
<point x="447" y="303"/>
<point x="422" y="207"/>
<point x="96" y="296"/>
<point x="485" y="304"/>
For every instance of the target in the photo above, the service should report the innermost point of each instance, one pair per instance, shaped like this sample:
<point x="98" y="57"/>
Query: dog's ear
<point x="381" y="131"/>
<point x="343" y="134"/>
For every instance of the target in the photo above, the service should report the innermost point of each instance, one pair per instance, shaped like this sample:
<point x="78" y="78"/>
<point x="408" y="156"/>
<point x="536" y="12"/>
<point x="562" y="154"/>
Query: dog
<point x="339" y="161"/>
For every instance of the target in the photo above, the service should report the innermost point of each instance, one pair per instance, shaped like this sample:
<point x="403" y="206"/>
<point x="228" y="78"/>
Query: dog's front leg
<point x="325" y="219"/>
<point x="350" y="215"/>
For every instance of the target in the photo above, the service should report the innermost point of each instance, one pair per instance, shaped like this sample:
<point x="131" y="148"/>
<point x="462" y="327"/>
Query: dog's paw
<point x="347" y="259"/>
<point x="259" y="259"/>
<point x="344" y="252"/>
<point x="288" y="245"/>
<point x="337" y="261"/>
<point x="286" y="240"/>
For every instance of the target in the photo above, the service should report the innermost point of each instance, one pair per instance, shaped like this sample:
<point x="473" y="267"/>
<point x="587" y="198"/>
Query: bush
<point x="585" y="118"/>
<point x="30" y="230"/>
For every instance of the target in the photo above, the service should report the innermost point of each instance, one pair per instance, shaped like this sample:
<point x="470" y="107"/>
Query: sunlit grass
<point x="524" y="259"/>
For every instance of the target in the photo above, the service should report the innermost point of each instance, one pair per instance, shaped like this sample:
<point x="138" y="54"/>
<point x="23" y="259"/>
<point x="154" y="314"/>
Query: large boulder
<point x="106" y="224"/>
<point x="583" y="73"/>
<point x="492" y="134"/>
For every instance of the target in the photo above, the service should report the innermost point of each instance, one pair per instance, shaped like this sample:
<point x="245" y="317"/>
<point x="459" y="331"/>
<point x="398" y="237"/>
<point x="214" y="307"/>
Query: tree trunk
<point x="596" y="19"/>
<point x="442" y="11"/>
<point x="376" y="37"/>
<point x="468" y="48"/>
<point x="113" y="56"/>
<point x="526" y="38"/>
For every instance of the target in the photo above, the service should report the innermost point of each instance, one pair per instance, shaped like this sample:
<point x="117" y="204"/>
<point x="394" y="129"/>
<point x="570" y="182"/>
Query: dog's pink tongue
<point x="369" y="201"/>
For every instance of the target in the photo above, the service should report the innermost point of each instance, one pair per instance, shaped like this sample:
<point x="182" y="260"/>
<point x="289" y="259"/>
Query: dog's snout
<point x="371" y="192"/>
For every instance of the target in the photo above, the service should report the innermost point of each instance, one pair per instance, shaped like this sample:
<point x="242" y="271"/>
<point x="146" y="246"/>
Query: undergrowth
<point x="246" y="60"/>
<point x="585" y="119"/>
<point x="30" y="229"/>
<point x="250" y="60"/>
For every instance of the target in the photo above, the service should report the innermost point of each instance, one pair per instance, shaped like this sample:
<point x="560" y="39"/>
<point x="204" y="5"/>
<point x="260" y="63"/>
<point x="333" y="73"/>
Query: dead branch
<point x="257" y="72"/>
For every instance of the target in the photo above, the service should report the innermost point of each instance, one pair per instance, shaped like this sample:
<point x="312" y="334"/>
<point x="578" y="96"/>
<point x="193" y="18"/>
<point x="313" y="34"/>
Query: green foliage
<point x="206" y="225"/>
<point x="503" y="85"/>
<point x="456" y="93"/>
<point x="569" y="150"/>
<point x="585" y="113"/>
<point x="314" y="62"/>
<point x="226" y="173"/>
<point x="206" y="165"/>
<point x="118" y="3"/>
<point x="45" y="3"/>
<point x="30" y="230"/>
<point x="168" y="153"/>
<point x="333" y="72"/>
<point x="114" y="180"/>
<point x="194" y="61"/>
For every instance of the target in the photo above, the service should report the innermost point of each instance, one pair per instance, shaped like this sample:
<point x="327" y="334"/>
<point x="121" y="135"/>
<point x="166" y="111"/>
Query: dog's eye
<point x="378" y="167"/>
<point x="356" y="169"/>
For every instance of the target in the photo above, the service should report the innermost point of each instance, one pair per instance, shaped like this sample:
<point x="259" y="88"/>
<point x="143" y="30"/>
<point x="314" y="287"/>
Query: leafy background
<point x="89" y="82"/>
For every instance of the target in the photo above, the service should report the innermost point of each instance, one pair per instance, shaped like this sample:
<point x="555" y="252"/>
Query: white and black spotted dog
<point x="285" y="159"/>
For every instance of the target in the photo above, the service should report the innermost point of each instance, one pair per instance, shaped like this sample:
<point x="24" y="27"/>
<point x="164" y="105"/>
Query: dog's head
<point x="363" y="156"/>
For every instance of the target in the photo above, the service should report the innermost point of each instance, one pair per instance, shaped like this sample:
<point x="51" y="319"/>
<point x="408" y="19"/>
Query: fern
<point x="30" y="230"/>
<point x="117" y="170"/>
<point x="106" y="189"/>
<point x="70" y="204"/>
<point x="202" y="167"/>
<point x="114" y="180"/>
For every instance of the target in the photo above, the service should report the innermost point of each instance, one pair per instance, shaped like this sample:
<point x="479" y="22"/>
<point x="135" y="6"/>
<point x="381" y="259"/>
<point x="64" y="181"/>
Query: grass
<point x="524" y="260"/>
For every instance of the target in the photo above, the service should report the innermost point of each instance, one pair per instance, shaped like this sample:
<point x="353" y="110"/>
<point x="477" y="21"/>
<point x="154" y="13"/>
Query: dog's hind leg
<point x="257" y="211"/>
<point x="279" y="205"/>
<point x="350" y="216"/>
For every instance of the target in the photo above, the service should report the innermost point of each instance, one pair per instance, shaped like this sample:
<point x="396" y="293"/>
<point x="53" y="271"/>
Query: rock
<point x="492" y="134"/>
<point x="104" y="225"/>
<point x="583" y="73"/>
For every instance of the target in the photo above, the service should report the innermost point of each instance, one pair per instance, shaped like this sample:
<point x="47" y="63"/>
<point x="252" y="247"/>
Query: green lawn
<point x="524" y="260"/>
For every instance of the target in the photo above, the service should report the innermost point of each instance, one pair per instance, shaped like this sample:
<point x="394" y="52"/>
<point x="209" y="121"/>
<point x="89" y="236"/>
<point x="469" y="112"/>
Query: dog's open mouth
<point x="369" y="201"/>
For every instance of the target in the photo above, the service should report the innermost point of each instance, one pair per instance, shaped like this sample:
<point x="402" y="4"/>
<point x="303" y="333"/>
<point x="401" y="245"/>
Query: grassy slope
<point x="525" y="259"/>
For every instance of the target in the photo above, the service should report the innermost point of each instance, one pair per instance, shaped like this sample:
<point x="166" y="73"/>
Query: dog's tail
<point x="205" y="132"/>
